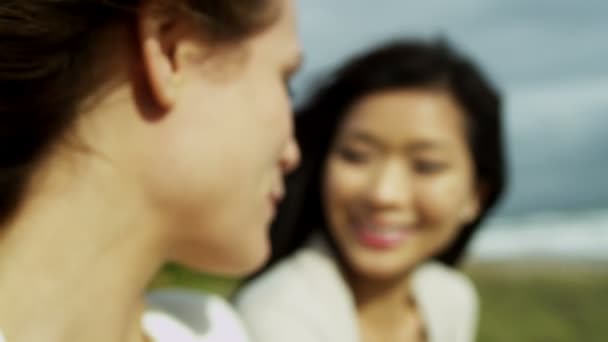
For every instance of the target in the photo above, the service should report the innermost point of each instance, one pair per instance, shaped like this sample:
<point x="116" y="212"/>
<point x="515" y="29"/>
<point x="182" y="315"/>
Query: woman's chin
<point x="251" y="263"/>
<point x="237" y="261"/>
<point x="381" y="268"/>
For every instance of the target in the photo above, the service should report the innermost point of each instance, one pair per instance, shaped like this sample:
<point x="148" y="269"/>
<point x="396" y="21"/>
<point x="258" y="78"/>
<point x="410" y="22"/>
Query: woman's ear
<point x="474" y="205"/>
<point x="470" y="212"/>
<point x="159" y="35"/>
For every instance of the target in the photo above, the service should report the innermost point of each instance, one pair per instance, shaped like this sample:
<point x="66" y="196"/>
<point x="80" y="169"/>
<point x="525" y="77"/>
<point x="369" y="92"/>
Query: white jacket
<point x="175" y="315"/>
<point x="305" y="299"/>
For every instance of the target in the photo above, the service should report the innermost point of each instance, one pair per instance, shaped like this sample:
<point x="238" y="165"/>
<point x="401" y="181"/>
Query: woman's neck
<point x="380" y="299"/>
<point x="75" y="260"/>
<point x="385" y="307"/>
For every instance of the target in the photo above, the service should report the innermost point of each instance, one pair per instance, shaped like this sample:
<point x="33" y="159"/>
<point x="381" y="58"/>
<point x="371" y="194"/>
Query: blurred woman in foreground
<point x="118" y="123"/>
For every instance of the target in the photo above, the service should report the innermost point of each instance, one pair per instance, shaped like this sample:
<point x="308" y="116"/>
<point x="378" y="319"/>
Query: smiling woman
<point x="401" y="160"/>
<point x="118" y="121"/>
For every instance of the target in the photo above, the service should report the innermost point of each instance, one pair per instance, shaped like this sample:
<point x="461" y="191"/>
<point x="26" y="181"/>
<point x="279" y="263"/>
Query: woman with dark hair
<point x="401" y="160"/>
<point x="132" y="133"/>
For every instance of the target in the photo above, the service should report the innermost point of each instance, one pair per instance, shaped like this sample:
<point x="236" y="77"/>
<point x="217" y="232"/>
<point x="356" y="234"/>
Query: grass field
<point x="174" y="275"/>
<point x="522" y="301"/>
<point x="542" y="301"/>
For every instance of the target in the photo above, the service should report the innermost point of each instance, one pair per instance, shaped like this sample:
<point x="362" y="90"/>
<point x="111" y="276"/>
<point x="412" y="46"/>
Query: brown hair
<point x="47" y="48"/>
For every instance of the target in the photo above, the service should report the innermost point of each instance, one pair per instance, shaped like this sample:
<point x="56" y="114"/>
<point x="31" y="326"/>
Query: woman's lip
<point x="385" y="236"/>
<point x="275" y="199"/>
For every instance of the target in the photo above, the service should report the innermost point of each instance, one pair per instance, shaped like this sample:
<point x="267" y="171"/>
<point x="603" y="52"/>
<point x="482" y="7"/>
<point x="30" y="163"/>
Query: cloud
<point x="549" y="57"/>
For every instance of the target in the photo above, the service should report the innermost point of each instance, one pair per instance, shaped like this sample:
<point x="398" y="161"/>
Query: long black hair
<point x="396" y="65"/>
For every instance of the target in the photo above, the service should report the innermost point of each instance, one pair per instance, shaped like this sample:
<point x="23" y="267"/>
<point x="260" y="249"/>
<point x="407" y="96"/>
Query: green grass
<point x="542" y="301"/>
<point x="521" y="301"/>
<point x="176" y="276"/>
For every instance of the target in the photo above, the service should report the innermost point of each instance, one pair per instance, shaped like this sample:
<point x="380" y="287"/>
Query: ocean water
<point x="581" y="235"/>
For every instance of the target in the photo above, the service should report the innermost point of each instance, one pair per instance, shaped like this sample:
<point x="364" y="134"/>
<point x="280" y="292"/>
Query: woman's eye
<point x="429" y="166"/>
<point x="353" y="156"/>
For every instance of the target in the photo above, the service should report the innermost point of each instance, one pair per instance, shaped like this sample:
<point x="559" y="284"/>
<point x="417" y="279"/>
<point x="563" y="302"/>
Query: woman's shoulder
<point x="448" y="302"/>
<point x="191" y="316"/>
<point x="445" y="282"/>
<point x="308" y="272"/>
<point x="302" y="298"/>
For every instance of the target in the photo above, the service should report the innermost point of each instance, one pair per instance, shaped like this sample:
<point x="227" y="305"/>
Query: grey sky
<point x="550" y="57"/>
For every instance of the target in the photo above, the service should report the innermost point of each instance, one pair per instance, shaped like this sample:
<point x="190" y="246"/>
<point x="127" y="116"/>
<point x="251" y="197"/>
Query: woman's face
<point x="398" y="181"/>
<point x="215" y="170"/>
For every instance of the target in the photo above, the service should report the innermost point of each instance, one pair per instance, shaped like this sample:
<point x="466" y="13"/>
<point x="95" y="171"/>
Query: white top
<point x="181" y="315"/>
<point x="305" y="299"/>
